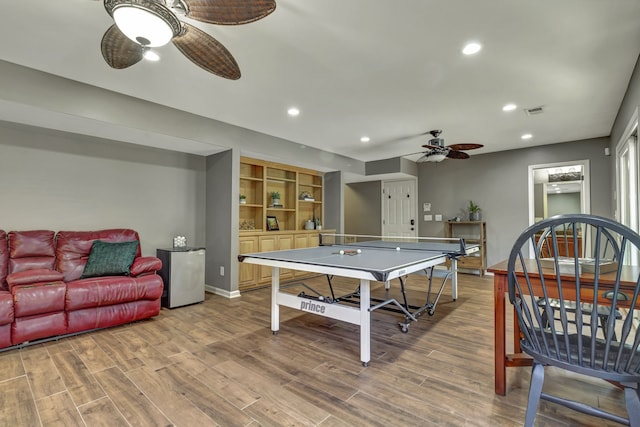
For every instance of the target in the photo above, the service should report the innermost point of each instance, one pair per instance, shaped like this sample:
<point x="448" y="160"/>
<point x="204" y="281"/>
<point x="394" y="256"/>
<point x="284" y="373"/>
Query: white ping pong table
<point x="367" y="258"/>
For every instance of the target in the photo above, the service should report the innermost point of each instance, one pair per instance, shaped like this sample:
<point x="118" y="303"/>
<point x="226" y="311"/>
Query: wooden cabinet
<point x="474" y="232"/>
<point x="248" y="273"/>
<point x="301" y="193"/>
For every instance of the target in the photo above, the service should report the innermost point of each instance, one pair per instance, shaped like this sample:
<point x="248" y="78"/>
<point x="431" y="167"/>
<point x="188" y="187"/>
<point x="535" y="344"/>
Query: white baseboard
<point x="222" y="292"/>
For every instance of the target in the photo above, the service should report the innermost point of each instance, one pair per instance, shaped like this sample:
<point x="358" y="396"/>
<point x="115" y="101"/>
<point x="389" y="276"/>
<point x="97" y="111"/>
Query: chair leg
<point x="535" y="390"/>
<point x="632" y="399"/>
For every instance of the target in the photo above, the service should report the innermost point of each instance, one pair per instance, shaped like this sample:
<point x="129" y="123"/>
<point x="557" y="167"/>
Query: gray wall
<point x="222" y="222"/>
<point x="60" y="181"/>
<point x="498" y="182"/>
<point x="363" y="208"/>
<point x="332" y="201"/>
<point x="630" y="105"/>
<point x="563" y="203"/>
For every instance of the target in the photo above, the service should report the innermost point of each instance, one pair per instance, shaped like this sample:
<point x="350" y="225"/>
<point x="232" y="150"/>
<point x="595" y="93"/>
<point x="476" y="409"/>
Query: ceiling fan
<point x="143" y="24"/>
<point x="436" y="151"/>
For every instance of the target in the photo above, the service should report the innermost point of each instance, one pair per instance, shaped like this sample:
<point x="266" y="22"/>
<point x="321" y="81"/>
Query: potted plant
<point x="243" y="199"/>
<point x="474" y="211"/>
<point x="275" y="198"/>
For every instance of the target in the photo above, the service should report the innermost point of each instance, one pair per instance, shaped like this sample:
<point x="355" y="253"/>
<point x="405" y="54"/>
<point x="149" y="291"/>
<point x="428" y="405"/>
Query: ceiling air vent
<point x="534" y="110"/>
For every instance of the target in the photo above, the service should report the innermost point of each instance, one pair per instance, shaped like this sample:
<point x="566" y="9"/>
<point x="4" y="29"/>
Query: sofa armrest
<point x="144" y="265"/>
<point x="30" y="277"/>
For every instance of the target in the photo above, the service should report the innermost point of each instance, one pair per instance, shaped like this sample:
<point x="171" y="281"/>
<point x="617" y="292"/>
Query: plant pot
<point x="275" y="201"/>
<point x="474" y="216"/>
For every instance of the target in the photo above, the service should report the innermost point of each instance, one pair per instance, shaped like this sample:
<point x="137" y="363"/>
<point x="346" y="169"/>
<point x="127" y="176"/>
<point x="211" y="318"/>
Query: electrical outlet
<point x="222" y="270"/>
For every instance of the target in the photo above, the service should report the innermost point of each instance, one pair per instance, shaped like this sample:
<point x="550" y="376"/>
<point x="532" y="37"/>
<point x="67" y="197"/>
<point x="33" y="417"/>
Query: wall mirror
<point x="558" y="188"/>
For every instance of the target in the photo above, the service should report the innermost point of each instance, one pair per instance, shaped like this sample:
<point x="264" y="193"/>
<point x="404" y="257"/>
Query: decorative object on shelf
<point x="275" y="199"/>
<point x="306" y="196"/>
<point x="179" y="242"/>
<point x="247" y="225"/>
<point x="272" y="223"/>
<point x="474" y="211"/>
<point x="309" y="225"/>
<point x="243" y="199"/>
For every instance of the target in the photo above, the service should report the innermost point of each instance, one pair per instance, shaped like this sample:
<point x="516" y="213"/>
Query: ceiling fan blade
<point x="229" y="12"/>
<point x="465" y="146"/>
<point x="453" y="154"/>
<point x="118" y="50"/>
<point x="207" y="52"/>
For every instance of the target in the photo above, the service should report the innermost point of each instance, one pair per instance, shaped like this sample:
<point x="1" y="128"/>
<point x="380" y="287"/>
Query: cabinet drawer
<point x="474" y="262"/>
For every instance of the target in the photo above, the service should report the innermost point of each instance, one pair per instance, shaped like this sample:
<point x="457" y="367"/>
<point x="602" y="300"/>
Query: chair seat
<point x="586" y="308"/>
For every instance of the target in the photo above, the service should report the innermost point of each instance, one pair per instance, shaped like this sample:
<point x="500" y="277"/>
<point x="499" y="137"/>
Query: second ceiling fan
<point x="436" y="151"/>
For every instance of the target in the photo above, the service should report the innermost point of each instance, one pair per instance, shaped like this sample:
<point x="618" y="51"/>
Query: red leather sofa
<point x="43" y="295"/>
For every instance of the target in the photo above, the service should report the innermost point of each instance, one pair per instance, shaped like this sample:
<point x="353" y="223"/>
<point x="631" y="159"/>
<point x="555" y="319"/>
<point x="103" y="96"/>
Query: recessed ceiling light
<point x="365" y="139"/>
<point x="293" y="111"/>
<point x="471" y="48"/>
<point x="526" y="136"/>
<point x="509" y="107"/>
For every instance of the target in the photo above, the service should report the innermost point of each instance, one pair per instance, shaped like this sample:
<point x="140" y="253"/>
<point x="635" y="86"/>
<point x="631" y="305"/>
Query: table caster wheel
<point x="274" y="332"/>
<point x="431" y="312"/>
<point x="365" y="364"/>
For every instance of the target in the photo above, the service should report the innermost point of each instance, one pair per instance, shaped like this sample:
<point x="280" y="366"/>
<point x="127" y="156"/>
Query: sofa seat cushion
<point x="29" y="300"/>
<point x="6" y="308"/>
<point x="109" y="259"/>
<point x="103" y="291"/>
<point x="30" y="277"/>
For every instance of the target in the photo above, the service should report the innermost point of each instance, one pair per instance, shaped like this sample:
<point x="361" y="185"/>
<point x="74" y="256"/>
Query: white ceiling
<point x="388" y="69"/>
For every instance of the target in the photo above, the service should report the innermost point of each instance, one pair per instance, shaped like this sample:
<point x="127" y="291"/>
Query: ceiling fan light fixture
<point x="150" y="55"/>
<point x="146" y="22"/>
<point x="438" y="157"/>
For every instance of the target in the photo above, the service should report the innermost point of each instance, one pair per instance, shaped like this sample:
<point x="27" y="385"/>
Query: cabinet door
<point x="267" y="243"/>
<point x="285" y="241"/>
<point x="248" y="273"/>
<point x="314" y="240"/>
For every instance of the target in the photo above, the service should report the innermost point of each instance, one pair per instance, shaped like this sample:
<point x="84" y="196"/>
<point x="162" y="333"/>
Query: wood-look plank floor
<point x="217" y="363"/>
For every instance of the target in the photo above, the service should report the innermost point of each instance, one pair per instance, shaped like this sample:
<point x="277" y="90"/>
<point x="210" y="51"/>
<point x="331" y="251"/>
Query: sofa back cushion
<point x="4" y="260"/>
<point x="73" y="248"/>
<point x="30" y="250"/>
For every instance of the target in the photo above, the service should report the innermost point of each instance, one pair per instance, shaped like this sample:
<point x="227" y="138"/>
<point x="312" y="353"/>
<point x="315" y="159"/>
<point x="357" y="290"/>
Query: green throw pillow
<point x="110" y="259"/>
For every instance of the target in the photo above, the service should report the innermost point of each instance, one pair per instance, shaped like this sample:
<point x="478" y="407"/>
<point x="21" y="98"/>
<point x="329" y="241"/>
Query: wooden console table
<point x="503" y="360"/>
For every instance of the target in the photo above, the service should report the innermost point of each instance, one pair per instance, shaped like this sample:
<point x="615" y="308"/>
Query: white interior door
<point x="399" y="208"/>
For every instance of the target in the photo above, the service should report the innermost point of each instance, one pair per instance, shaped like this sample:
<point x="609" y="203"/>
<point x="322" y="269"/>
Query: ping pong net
<point x="453" y="246"/>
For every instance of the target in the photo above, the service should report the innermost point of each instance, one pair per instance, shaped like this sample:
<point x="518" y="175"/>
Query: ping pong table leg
<point x="454" y="278"/>
<point x="275" y="308"/>
<point x="365" y="322"/>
